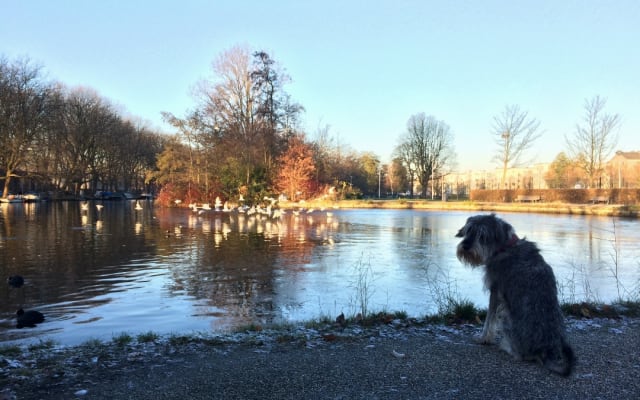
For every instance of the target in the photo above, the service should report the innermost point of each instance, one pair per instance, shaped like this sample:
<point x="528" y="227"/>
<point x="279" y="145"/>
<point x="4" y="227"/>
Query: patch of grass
<point x="599" y="310"/>
<point x="401" y="315"/>
<point x="97" y="348"/>
<point x="179" y="340"/>
<point x="10" y="350"/>
<point x="464" y="311"/>
<point x="629" y="308"/>
<point x="93" y="343"/>
<point x="122" y="339"/>
<point x="452" y="307"/>
<point x="371" y="319"/>
<point x="382" y="317"/>
<point x="458" y="311"/>
<point x="211" y="341"/>
<point x="147" y="337"/>
<point x="286" y="338"/>
<point x="319" y="322"/>
<point x="42" y="345"/>
<point x="252" y="327"/>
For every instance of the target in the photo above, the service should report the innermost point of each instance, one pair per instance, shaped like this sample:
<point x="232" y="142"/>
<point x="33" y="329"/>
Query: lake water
<point x="96" y="274"/>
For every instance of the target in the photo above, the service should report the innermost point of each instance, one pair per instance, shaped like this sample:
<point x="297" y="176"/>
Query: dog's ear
<point x="508" y="230"/>
<point x="461" y="230"/>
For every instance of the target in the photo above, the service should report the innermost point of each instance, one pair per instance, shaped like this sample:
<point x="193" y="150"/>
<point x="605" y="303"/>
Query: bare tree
<point x="126" y="155"/>
<point x="23" y="114"/>
<point x="594" y="140"/>
<point x="514" y="133"/>
<point x="325" y="156"/>
<point x="89" y="122"/>
<point x="229" y="96"/>
<point x="426" y="148"/>
<point x="245" y="109"/>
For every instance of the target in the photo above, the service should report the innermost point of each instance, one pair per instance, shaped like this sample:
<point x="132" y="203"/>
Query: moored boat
<point x="12" y="199"/>
<point x="31" y="197"/>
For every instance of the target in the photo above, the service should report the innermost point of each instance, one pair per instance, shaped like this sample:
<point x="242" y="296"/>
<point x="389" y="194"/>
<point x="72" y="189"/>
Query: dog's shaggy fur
<point x="523" y="299"/>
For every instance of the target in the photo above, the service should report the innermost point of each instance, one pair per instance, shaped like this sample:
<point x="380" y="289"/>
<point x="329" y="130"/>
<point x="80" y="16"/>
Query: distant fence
<point x="575" y="196"/>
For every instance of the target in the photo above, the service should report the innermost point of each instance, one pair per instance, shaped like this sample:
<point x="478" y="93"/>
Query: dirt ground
<point x="391" y="361"/>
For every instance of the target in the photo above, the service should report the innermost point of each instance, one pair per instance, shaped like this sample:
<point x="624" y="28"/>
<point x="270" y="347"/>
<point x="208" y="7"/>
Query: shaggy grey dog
<point x="523" y="298"/>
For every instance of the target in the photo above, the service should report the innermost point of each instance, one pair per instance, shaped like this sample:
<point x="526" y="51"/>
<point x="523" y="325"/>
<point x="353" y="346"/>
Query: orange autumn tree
<point x="296" y="168"/>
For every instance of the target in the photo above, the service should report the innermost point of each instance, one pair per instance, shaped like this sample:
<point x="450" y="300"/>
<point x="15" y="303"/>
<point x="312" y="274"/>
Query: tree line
<point x="67" y="140"/>
<point x="242" y="139"/>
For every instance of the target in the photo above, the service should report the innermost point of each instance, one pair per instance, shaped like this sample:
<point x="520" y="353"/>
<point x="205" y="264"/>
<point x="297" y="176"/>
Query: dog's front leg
<point x="489" y="329"/>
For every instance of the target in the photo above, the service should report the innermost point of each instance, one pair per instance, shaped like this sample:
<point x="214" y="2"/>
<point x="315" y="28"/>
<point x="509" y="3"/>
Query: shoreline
<point x="607" y="210"/>
<point x="328" y="361"/>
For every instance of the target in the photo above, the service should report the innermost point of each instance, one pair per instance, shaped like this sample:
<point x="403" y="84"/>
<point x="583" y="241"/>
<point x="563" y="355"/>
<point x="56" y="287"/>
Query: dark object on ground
<point x="15" y="281"/>
<point x="29" y="318"/>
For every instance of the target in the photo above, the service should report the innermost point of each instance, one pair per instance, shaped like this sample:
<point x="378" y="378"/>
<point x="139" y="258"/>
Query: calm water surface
<point x="96" y="274"/>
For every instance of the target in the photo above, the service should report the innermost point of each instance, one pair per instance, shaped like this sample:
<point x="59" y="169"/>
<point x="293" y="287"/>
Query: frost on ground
<point x="76" y="368"/>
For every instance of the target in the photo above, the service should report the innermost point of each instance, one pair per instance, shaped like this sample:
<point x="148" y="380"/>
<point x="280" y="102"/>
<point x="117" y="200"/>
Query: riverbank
<point x="609" y="210"/>
<point x="399" y="359"/>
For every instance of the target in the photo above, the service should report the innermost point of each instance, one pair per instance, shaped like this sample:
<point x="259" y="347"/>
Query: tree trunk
<point x="7" y="181"/>
<point x="505" y="168"/>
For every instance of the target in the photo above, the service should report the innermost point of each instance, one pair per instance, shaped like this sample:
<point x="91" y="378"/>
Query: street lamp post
<point x="379" y="179"/>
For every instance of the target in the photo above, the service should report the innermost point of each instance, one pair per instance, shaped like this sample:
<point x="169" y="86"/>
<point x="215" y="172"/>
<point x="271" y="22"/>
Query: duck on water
<point x="24" y="318"/>
<point x="28" y="318"/>
<point x="15" y="281"/>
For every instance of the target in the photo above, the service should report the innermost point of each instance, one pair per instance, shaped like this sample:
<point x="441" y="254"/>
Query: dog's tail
<point x="563" y="363"/>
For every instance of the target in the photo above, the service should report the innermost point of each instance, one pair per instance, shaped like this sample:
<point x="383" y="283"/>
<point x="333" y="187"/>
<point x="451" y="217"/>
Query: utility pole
<point x="379" y="179"/>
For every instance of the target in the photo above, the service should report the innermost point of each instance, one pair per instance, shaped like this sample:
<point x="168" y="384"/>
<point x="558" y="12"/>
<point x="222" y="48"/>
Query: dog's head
<point x="483" y="236"/>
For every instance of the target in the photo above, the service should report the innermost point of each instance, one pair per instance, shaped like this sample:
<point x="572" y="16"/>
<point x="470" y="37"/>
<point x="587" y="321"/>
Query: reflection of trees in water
<point x="234" y="259"/>
<point x="417" y="241"/>
<point x="64" y="253"/>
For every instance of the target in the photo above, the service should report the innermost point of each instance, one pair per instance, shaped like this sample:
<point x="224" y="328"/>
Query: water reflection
<point x="98" y="272"/>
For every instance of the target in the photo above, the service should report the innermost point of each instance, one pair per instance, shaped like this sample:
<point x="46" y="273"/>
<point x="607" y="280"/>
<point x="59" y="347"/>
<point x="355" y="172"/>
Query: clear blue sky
<point x="362" y="67"/>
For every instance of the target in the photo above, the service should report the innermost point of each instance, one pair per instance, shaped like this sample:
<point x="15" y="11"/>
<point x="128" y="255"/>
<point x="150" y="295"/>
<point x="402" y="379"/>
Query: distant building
<point x="623" y="170"/>
<point x="531" y="177"/>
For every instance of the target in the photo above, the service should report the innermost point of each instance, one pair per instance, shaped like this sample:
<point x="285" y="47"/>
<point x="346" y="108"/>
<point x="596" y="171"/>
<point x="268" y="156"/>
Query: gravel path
<point x="395" y="361"/>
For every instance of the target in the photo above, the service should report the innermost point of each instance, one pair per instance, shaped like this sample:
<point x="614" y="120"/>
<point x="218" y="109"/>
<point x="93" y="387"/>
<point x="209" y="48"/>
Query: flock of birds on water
<point x="29" y="318"/>
<point x="271" y="210"/>
<point x="85" y="206"/>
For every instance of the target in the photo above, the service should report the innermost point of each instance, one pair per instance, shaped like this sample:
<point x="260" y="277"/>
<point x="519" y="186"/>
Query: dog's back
<point x="527" y="286"/>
